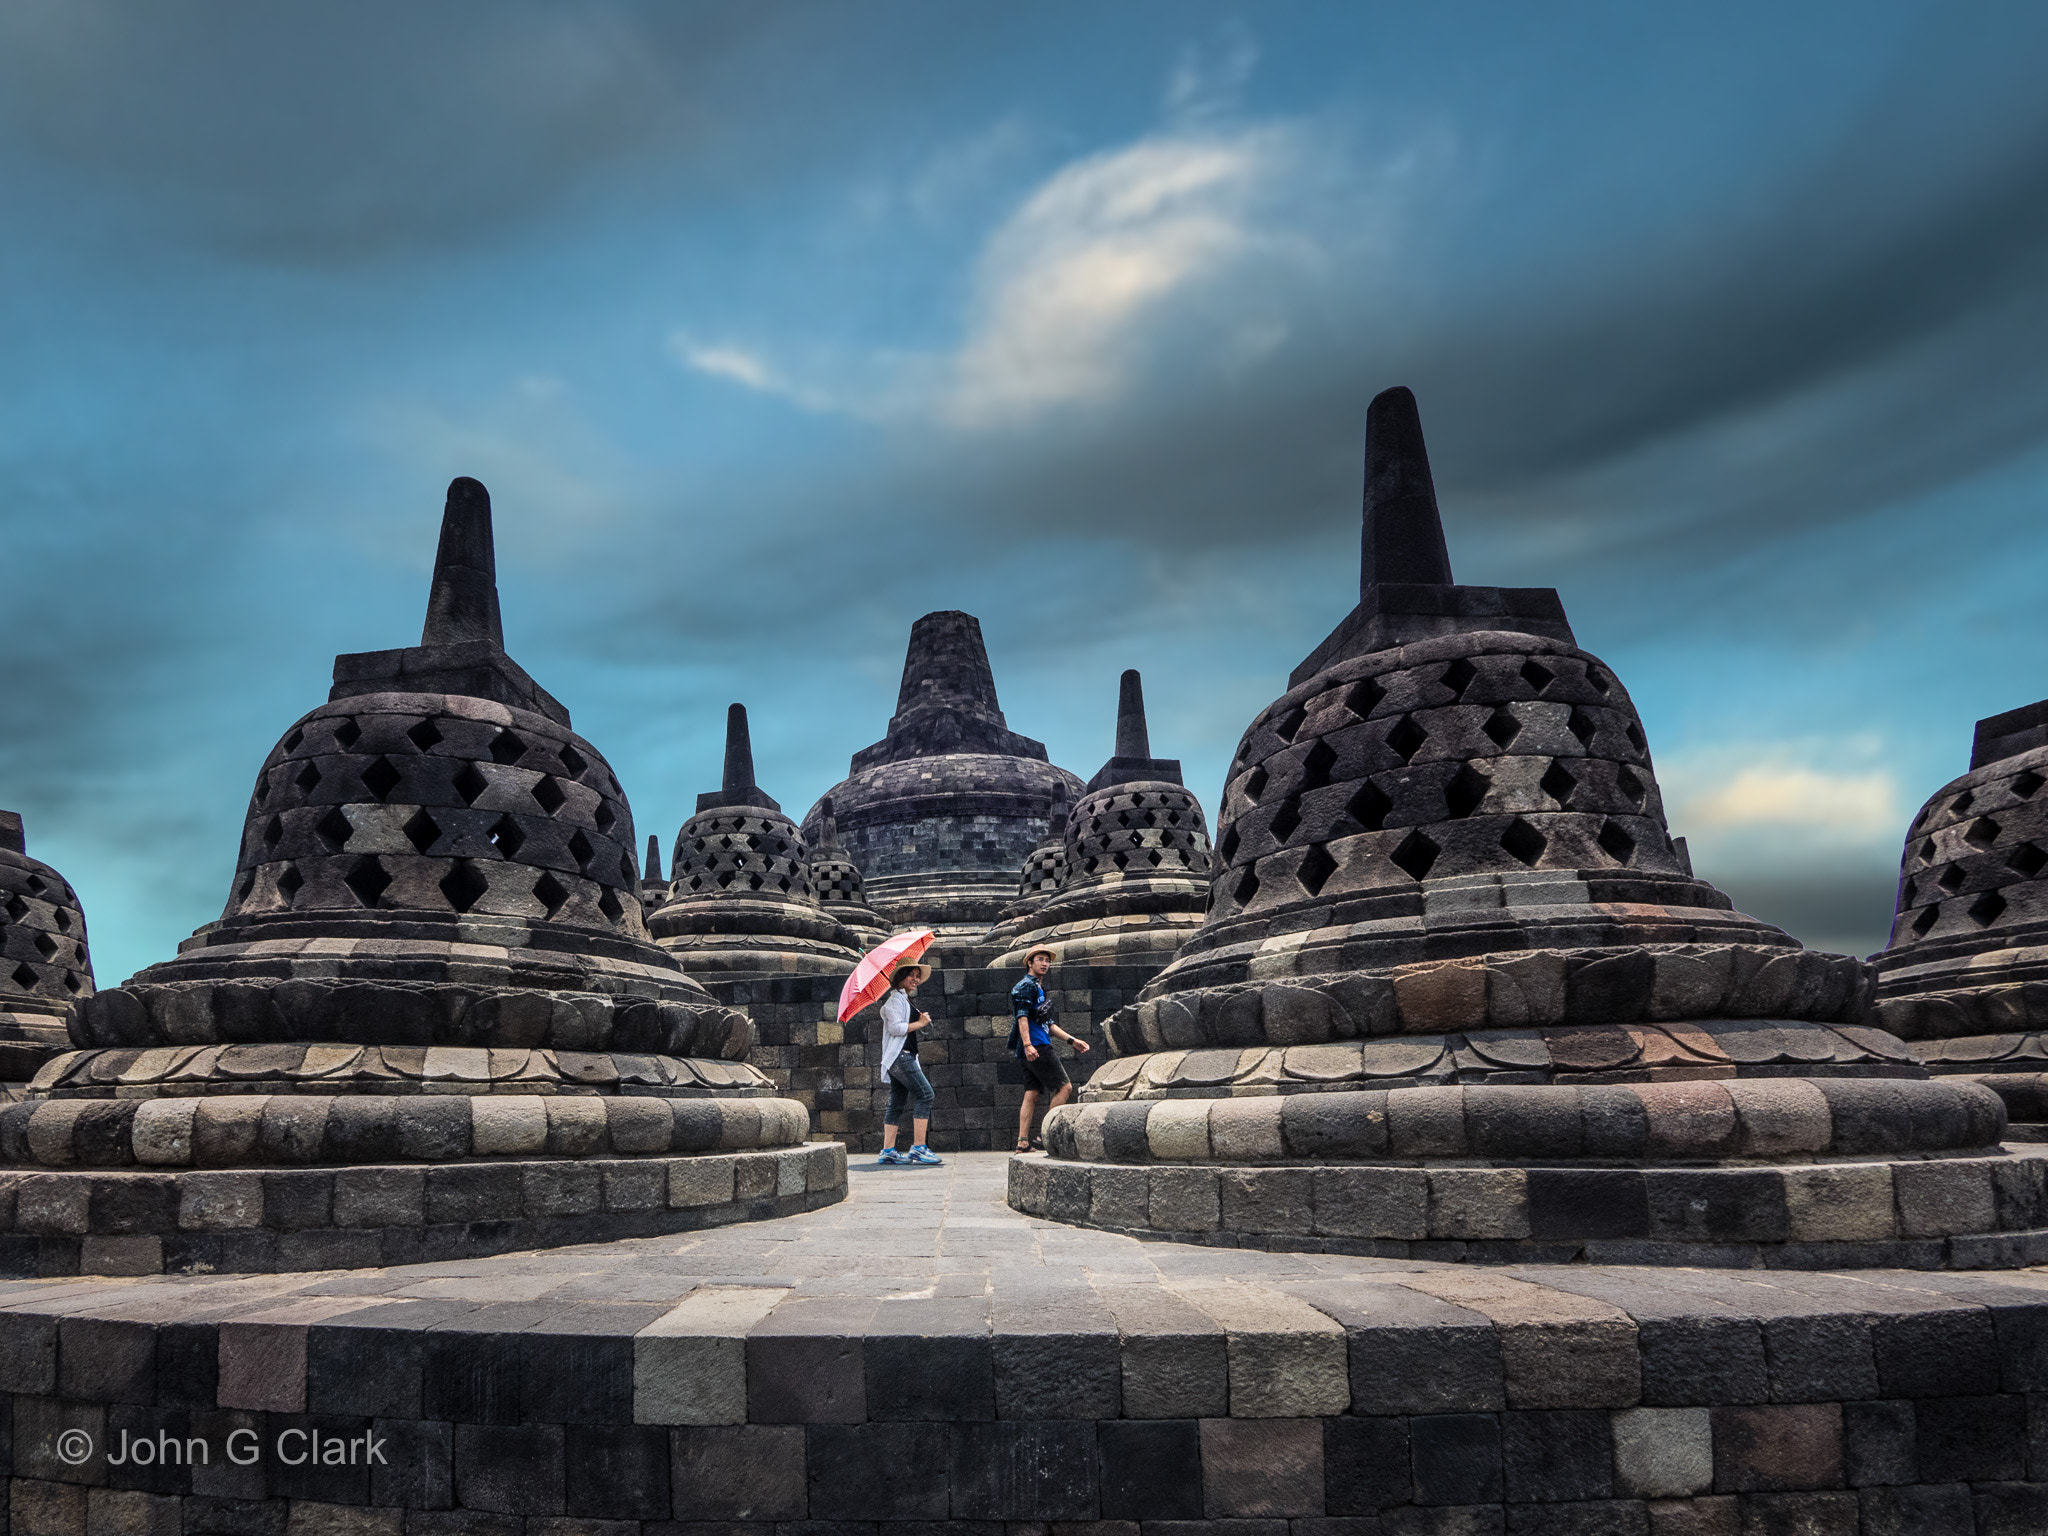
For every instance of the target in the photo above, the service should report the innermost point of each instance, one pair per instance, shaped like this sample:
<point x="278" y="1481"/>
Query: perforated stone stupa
<point x="740" y="897"/>
<point x="430" y="1019"/>
<point x="1457" y="993"/>
<point x="1134" y="860"/>
<point x="837" y="880"/>
<point x="942" y="810"/>
<point x="1965" y="974"/>
<point x="45" y="967"/>
<point x="1044" y="872"/>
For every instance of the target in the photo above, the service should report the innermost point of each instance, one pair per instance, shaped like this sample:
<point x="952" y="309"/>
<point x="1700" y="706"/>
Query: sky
<point x="771" y="327"/>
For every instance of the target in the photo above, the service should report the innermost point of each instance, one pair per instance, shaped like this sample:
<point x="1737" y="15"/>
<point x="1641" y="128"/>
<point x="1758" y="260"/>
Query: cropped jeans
<point x="908" y="1086"/>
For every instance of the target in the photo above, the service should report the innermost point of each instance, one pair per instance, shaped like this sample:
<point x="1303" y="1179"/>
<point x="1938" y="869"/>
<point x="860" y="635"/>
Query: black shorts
<point x="1048" y="1073"/>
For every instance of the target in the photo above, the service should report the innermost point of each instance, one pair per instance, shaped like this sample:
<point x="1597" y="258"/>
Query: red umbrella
<point x="870" y="979"/>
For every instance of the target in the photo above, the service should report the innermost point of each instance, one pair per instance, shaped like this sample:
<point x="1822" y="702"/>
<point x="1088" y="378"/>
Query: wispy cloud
<point x="1856" y="805"/>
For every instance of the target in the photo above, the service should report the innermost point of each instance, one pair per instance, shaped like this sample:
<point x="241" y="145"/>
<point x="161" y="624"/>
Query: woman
<point x="906" y="1079"/>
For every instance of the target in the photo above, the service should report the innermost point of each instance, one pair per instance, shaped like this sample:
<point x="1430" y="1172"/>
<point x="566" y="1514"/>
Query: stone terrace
<point x="922" y="1353"/>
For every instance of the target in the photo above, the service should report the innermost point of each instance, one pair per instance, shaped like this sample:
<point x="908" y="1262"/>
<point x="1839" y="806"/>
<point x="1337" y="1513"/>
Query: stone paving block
<point x="737" y="1472"/>
<point x="616" y="1471"/>
<point x="802" y="1369"/>
<point x="1694" y="1359"/>
<point x="1841" y="1203"/>
<point x="573" y="1377"/>
<point x="1604" y="1517"/>
<point x="1183" y="1200"/>
<point x="1579" y="1363"/>
<point x="1456" y="1458"/>
<point x="419" y="1469"/>
<point x="1663" y="1453"/>
<point x="1120" y="1198"/>
<point x="1939" y="1511"/>
<point x="1412" y="1353"/>
<point x="1025" y="1470"/>
<point x="1800" y="1514"/>
<point x="509" y="1469"/>
<point x="690" y="1366"/>
<point x="1266" y="1199"/>
<point x="1778" y="1446"/>
<point x="1825" y="1358"/>
<point x="1365" y="1465"/>
<point x="2011" y="1510"/>
<point x="1704" y="1516"/>
<point x="1880" y="1443"/>
<point x="1942" y="1199"/>
<point x="104" y="1360"/>
<point x="878" y="1471"/>
<point x="310" y="1518"/>
<point x="1057" y="1354"/>
<point x="1270" y="1468"/>
<point x="48" y="1509"/>
<point x="1971" y="1439"/>
<point x="113" y="1512"/>
<point x="1150" y="1470"/>
<point x="1381" y="1203"/>
<point x="1556" y="1455"/>
<point x="1469" y="1203"/>
<point x="929" y="1359"/>
<point x="1287" y="1360"/>
<point x="1174" y="1357"/>
<point x="1948" y="1353"/>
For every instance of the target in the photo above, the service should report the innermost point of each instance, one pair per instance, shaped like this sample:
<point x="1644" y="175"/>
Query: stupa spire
<point x="739" y="751"/>
<point x="947" y="663"/>
<point x="12" y="839"/>
<point x="1404" y="534"/>
<point x="828" y="827"/>
<point x="736" y="785"/>
<point x="651" y="874"/>
<point x="463" y="604"/>
<point x="1132" y="739"/>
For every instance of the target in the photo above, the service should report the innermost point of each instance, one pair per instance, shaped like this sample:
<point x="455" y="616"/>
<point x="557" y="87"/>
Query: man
<point x="1031" y="1038"/>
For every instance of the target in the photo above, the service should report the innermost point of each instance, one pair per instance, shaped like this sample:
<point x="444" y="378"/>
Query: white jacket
<point x="896" y="1016"/>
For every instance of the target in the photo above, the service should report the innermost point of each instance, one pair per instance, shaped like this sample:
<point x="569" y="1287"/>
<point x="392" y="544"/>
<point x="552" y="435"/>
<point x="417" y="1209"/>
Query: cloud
<point x="1857" y="806"/>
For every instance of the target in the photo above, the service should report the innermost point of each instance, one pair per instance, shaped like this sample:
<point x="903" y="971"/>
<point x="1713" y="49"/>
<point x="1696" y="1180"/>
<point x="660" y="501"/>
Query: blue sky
<point x="772" y="327"/>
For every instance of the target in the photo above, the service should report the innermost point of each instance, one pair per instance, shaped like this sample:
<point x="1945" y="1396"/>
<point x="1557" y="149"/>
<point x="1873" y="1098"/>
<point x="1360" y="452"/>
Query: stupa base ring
<point x="275" y="1220"/>
<point x="1987" y="1211"/>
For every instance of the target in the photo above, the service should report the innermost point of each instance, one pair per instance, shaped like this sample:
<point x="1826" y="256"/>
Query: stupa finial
<point x="1132" y="739"/>
<point x="739" y="751"/>
<point x="828" y="827"/>
<point x="652" y="873"/>
<point x="1404" y="534"/>
<point x="12" y="839"/>
<point x="463" y="605"/>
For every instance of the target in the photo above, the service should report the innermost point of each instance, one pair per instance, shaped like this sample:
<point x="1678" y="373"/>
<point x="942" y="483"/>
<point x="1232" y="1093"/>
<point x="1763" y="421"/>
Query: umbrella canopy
<point x="870" y="979"/>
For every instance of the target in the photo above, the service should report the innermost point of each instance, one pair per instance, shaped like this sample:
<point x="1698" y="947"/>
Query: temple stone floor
<point x="921" y="1353"/>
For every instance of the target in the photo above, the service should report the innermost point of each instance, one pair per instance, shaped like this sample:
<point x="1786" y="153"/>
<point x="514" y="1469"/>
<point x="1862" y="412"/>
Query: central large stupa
<point x="1459" y="995"/>
<point x="942" y="810"/>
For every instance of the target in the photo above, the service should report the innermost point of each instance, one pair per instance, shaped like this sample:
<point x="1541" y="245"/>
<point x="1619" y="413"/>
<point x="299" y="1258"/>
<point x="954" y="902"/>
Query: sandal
<point x="1025" y="1146"/>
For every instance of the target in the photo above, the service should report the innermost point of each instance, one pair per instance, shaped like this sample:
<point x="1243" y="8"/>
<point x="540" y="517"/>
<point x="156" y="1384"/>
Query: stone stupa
<point x="1964" y="977"/>
<point x="45" y="968"/>
<point x="837" y="882"/>
<point x="941" y="811"/>
<point x="1044" y="872"/>
<point x="740" y="901"/>
<point x="1457" y="995"/>
<point x="1134" y="863"/>
<point x="430" y="1021"/>
<point x="653" y="888"/>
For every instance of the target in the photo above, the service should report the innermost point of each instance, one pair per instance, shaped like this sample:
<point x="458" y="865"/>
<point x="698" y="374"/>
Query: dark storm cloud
<point x="308" y="134"/>
<point x="1895" y="291"/>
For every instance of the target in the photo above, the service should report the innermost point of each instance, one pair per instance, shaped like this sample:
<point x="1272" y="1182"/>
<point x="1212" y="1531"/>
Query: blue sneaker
<point x="924" y="1157"/>
<point x="891" y="1158"/>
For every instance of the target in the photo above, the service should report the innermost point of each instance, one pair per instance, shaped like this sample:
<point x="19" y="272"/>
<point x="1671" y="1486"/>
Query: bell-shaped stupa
<point x="1458" y="996"/>
<point x="1965" y="975"/>
<point x="1044" y="872"/>
<point x="940" y="812"/>
<point x="45" y="968"/>
<point x="432" y="973"/>
<point x="740" y="900"/>
<point x="837" y="882"/>
<point x="1135" y="859"/>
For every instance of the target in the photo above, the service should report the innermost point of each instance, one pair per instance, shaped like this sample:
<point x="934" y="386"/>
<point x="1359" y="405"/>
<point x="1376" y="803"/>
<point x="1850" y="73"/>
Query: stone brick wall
<point x="977" y="1084"/>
